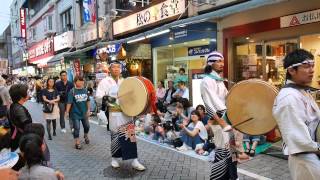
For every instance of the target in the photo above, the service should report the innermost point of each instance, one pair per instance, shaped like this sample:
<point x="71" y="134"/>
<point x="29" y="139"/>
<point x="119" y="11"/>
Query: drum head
<point x="133" y="96"/>
<point x="249" y="105"/>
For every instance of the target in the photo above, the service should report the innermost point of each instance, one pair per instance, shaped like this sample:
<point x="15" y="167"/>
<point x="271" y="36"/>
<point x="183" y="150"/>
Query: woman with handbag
<point x="50" y="106"/>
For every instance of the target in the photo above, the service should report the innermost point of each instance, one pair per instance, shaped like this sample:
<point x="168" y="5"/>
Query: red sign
<point x="41" y="50"/>
<point x="23" y="25"/>
<point x="76" y="67"/>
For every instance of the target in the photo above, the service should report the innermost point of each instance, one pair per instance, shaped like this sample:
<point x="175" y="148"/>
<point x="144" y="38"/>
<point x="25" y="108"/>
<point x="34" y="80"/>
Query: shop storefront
<point x="256" y="48"/>
<point x="138" y="48"/>
<point x="41" y="53"/>
<point x="183" y="47"/>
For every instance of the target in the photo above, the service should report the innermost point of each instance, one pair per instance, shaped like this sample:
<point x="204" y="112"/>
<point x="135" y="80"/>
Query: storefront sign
<point x="88" y="35"/>
<point x="301" y="18"/>
<point x="111" y="49"/>
<point x="41" y="50"/>
<point x="23" y="25"/>
<point x="180" y="34"/>
<point x="88" y="12"/>
<point x="151" y="15"/>
<point x="199" y="50"/>
<point x="76" y="67"/>
<point x="63" y="41"/>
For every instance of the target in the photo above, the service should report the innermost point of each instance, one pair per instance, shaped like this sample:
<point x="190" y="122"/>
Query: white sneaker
<point x="184" y="147"/>
<point x="72" y="130"/>
<point x="137" y="165"/>
<point x="114" y="163"/>
<point x="63" y="130"/>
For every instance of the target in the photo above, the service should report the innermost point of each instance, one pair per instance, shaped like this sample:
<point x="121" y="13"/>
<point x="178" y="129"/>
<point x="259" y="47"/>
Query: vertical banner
<point x="89" y="12"/>
<point x="23" y="25"/>
<point x="76" y="67"/>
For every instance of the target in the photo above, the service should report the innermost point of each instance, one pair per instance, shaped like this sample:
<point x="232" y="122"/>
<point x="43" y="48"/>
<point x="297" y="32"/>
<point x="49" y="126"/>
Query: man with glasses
<point x="63" y="87"/>
<point x="298" y="116"/>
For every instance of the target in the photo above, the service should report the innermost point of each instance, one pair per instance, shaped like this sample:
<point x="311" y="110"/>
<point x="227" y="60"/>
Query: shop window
<point x="262" y="60"/>
<point x="66" y="24"/>
<point x="311" y="43"/>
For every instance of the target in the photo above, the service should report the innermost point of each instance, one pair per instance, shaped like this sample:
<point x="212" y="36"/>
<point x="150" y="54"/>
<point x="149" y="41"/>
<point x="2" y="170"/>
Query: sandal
<point x="252" y="152"/>
<point x="86" y="140"/>
<point x="77" y="146"/>
<point x="247" y="151"/>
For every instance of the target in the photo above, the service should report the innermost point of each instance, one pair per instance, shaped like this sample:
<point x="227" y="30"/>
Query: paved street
<point x="93" y="161"/>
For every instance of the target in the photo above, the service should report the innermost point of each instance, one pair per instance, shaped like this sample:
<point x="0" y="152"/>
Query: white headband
<point x="308" y="61"/>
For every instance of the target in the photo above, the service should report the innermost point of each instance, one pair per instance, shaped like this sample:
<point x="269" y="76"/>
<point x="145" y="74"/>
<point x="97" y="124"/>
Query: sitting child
<point x="194" y="134"/>
<point x="32" y="148"/>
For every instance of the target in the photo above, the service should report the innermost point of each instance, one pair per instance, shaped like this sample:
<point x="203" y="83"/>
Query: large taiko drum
<point x="136" y="96"/>
<point x="249" y="106"/>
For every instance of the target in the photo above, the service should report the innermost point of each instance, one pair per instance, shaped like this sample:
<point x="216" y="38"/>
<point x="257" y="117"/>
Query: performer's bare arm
<point x="88" y="106"/>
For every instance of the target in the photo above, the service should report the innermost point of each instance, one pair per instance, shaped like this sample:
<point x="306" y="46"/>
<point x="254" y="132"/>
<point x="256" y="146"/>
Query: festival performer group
<point x="294" y="110"/>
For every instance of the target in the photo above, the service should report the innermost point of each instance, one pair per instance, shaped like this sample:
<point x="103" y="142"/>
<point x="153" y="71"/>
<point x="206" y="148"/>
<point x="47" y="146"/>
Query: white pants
<point x="304" y="166"/>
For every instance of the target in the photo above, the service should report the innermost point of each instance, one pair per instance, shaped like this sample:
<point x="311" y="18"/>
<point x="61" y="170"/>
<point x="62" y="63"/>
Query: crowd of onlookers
<point x="24" y="153"/>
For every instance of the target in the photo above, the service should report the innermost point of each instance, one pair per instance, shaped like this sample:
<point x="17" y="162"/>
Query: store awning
<point x="79" y="51"/>
<point x="201" y="18"/>
<point x="56" y="59"/>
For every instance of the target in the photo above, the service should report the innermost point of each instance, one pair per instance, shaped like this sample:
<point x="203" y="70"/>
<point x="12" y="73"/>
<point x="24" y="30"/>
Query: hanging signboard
<point x="76" y="67"/>
<point x="23" y="26"/>
<point x="300" y="19"/>
<point x="199" y="50"/>
<point x="89" y="12"/>
<point x="151" y="15"/>
<point x="41" y="50"/>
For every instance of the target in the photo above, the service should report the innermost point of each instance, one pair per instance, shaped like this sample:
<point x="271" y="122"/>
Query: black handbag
<point x="47" y="108"/>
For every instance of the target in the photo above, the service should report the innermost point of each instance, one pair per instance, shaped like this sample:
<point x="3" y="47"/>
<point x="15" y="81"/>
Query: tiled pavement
<point x="93" y="161"/>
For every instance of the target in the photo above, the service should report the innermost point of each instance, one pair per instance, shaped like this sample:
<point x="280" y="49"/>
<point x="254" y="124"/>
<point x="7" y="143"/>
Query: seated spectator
<point x="3" y="117"/>
<point x="204" y="117"/>
<point x="194" y="134"/>
<point x="181" y="77"/>
<point x="182" y="91"/>
<point x="160" y="91"/>
<point x="37" y="128"/>
<point x="179" y="117"/>
<point x="168" y="98"/>
<point x="31" y="147"/>
<point x="254" y="140"/>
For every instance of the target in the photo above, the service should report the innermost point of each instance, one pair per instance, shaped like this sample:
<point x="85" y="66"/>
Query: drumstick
<point x="243" y="122"/>
<point x="124" y="94"/>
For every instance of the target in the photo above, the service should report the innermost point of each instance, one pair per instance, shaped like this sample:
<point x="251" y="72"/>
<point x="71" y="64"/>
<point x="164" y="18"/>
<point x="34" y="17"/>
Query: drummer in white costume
<point x="298" y="116"/>
<point x="212" y="88"/>
<point x="123" y="140"/>
<point x="213" y="93"/>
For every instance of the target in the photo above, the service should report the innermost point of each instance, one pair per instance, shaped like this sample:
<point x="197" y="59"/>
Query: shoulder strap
<point x="298" y="87"/>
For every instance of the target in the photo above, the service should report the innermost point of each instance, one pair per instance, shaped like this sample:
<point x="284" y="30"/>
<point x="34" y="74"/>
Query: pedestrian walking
<point x="63" y="86"/>
<point x="298" y="116"/>
<point x="78" y="109"/>
<point x="50" y="100"/>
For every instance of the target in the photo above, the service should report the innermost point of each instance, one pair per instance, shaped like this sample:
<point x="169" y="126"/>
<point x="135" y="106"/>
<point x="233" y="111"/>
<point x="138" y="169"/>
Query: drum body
<point x="136" y="96"/>
<point x="249" y="106"/>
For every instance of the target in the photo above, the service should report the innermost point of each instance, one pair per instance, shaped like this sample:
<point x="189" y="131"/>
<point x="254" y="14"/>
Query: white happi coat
<point x="298" y="115"/>
<point x="108" y="86"/>
<point x="213" y="93"/>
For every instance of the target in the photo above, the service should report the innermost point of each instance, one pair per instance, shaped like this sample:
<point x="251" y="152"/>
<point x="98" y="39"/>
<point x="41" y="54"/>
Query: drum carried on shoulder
<point x="249" y="106"/>
<point x="136" y="96"/>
